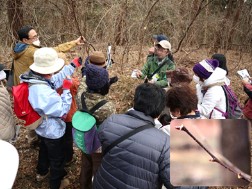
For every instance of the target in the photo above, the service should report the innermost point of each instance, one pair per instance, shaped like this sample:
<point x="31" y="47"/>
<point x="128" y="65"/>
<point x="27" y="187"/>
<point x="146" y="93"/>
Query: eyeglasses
<point x="34" y="37"/>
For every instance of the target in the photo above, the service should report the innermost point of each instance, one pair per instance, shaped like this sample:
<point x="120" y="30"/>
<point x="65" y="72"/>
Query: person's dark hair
<point x="23" y="32"/>
<point x="165" y="119"/>
<point x="183" y="98"/>
<point x="179" y="76"/>
<point x="222" y="61"/>
<point x="149" y="99"/>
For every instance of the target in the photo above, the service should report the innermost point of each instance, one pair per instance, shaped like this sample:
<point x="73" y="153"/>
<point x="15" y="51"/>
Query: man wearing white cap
<point x="52" y="107"/>
<point x="159" y="61"/>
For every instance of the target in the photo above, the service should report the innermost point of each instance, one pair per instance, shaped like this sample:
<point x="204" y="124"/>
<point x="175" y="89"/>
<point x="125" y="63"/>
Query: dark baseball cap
<point x="160" y="37"/>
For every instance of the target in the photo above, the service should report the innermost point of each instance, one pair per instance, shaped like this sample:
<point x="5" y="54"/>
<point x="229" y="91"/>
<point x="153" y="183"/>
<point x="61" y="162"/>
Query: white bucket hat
<point x="46" y="61"/>
<point x="165" y="44"/>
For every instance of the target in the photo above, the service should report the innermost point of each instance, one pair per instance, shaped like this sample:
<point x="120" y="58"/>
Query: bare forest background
<point x="190" y="25"/>
<point x="196" y="30"/>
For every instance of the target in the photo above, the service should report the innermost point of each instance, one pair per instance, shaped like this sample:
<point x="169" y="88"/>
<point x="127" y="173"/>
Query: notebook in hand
<point x="243" y="73"/>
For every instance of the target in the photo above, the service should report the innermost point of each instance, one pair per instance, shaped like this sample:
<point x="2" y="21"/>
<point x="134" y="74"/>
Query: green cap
<point x="83" y="121"/>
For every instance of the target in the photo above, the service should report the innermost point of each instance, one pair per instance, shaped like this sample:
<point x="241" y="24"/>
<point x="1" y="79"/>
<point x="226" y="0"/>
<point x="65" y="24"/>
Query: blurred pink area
<point x="190" y="163"/>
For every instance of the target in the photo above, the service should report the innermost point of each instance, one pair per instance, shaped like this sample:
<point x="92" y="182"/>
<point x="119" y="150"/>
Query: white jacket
<point x="165" y="128"/>
<point x="214" y="97"/>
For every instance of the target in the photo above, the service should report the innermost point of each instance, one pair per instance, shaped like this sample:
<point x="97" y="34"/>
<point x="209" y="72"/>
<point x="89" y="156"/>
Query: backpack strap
<point x="223" y="113"/>
<point x="83" y="102"/>
<point x="159" y="67"/>
<point x="226" y="96"/>
<point x="97" y="106"/>
<point x="94" y="108"/>
<point x="127" y="135"/>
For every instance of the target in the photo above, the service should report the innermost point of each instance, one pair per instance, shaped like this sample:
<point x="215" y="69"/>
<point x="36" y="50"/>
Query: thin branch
<point x="143" y="29"/>
<point x="78" y="26"/>
<point x="229" y="166"/>
<point x="191" y="23"/>
<point x="104" y="15"/>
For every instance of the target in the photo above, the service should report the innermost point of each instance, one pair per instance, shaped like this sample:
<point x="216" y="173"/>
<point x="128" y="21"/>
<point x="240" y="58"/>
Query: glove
<point x="67" y="83"/>
<point x="113" y="80"/>
<point x="77" y="61"/>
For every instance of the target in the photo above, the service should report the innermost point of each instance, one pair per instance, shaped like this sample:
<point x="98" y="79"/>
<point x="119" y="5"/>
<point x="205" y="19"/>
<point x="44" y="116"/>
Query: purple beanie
<point x="96" y="77"/>
<point x="205" y="68"/>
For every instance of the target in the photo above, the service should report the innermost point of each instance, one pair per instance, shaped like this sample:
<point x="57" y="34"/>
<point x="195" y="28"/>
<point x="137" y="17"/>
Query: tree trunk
<point x="206" y="24"/>
<point x="142" y="31"/>
<point x="120" y="32"/>
<point x="235" y="147"/>
<point x="15" y="17"/>
<point x="235" y="21"/>
<point x="222" y="28"/>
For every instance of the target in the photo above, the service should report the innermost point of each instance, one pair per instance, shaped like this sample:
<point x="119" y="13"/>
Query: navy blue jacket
<point x="141" y="161"/>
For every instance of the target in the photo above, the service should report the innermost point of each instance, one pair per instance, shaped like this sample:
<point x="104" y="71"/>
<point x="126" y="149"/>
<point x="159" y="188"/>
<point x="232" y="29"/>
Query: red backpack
<point x="23" y="108"/>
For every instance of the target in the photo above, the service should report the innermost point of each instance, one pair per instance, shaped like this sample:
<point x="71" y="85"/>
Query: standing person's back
<point x="96" y="90"/>
<point x="142" y="160"/>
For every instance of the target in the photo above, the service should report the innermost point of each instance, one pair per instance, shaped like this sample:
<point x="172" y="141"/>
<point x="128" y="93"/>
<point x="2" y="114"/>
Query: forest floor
<point x="121" y="94"/>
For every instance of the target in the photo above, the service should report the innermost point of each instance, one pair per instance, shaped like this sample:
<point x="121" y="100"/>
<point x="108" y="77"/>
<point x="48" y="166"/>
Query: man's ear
<point x="24" y="40"/>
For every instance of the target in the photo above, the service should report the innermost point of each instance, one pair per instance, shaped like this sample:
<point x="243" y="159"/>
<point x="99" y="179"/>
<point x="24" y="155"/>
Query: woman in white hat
<point x="44" y="99"/>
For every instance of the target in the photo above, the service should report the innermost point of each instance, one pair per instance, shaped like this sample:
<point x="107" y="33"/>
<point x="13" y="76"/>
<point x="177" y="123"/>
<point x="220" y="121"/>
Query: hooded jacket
<point x="23" y="56"/>
<point x="211" y="95"/>
<point x="45" y="100"/>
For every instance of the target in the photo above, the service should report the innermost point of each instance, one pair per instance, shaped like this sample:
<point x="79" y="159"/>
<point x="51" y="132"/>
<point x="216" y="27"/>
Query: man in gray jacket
<point x="143" y="159"/>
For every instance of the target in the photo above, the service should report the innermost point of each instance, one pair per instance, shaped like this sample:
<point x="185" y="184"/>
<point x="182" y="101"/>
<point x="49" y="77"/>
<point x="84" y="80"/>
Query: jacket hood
<point x="217" y="77"/>
<point x="19" y="49"/>
<point x="31" y="77"/>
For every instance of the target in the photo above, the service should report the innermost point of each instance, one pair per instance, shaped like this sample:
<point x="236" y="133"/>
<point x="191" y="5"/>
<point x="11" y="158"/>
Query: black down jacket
<point x="141" y="161"/>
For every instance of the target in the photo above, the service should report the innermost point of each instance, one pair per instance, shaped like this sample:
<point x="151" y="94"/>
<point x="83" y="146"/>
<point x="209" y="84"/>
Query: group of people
<point x="210" y="75"/>
<point x="139" y="160"/>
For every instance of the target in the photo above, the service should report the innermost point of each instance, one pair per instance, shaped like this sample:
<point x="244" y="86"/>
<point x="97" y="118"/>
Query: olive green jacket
<point x="152" y="64"/>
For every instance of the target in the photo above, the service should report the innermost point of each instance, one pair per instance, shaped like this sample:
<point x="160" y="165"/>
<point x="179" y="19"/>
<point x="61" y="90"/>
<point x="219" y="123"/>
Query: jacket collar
<point x="218" y="76"/>
<point x="32" y="77"/>
<point x="140" y="115"/>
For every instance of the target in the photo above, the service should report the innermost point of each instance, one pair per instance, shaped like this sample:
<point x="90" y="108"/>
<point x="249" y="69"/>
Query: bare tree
<point x="15" y="17"/>
<point x="121" y="24"/>
<point x="237" y="152"/>
<point x="143" y="27"/>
